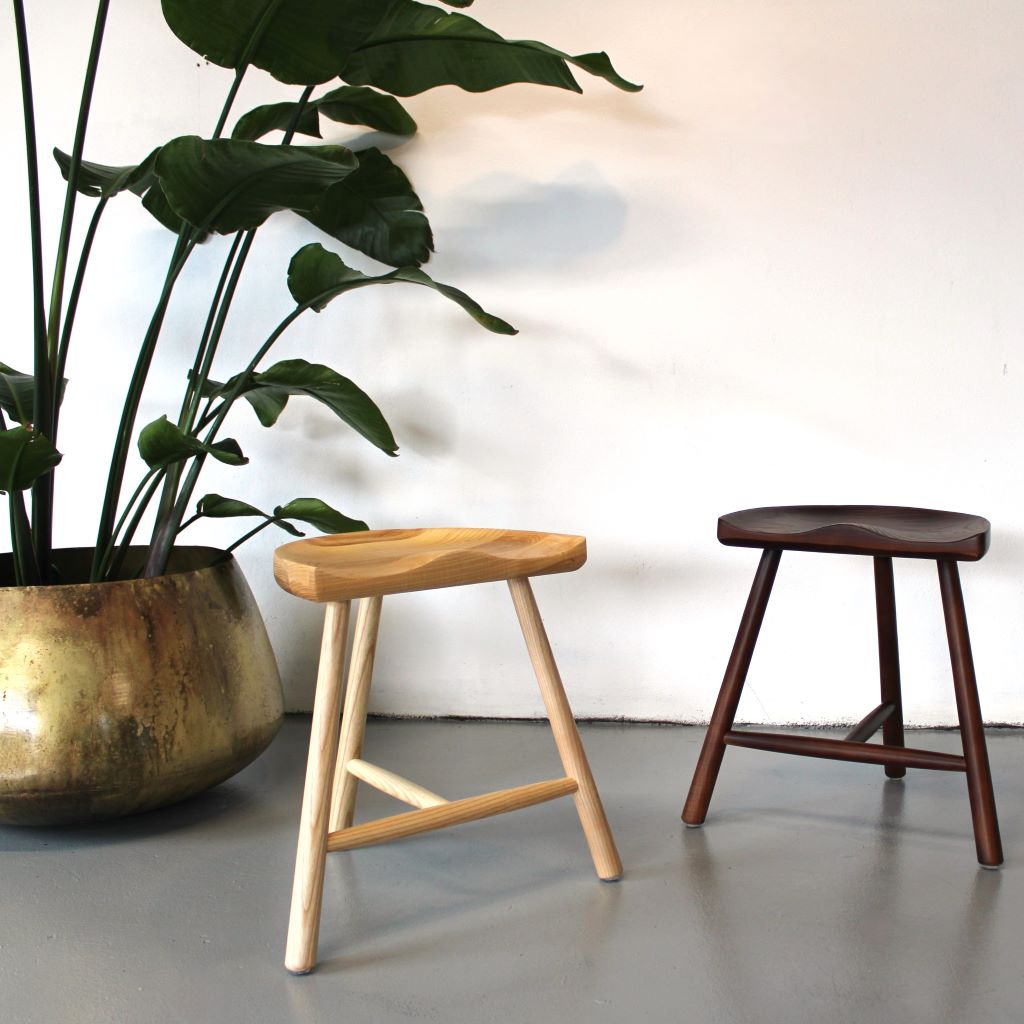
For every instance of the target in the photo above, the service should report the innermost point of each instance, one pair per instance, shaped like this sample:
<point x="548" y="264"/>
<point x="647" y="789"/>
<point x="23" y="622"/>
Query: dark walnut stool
<point x="883" y="533"/>
<point x="337" y="570"/>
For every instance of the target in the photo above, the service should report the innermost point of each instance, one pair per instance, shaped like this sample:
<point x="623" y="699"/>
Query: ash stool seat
<point x="367" y="566"/>
<point x="882" y="533"/>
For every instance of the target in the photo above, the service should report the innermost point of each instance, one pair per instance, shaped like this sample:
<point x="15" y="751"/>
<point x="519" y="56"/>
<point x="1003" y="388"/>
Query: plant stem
<point x="69" y="317"/>
<point x="71" y="192"/>
<point x="35" y="224"/>
<point x="17" y="552"/>
<point x="171" y="479"/>
<point x="182" y="250"/>
<point x="243" y="65"/>
<point x="252" y="533"/>
<point x="193" y="385"/>
<point x="188" y="522"/>
<point x="204" y="360"/>
<point x="19" y="578"/>
<point x="114" y="572"/>
<point x="213" y="340"/>
<point x="26" y="567"/>
<point x="43" y="398"/>
<point x="172" y="506"/>
<point x="232" y="93"/>
<point x="163" y="537"/>
<point x="124" y="515"/>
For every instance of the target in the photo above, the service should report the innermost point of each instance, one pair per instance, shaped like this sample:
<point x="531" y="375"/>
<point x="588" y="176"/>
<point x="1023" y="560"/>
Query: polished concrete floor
<point x="817" y="892"/>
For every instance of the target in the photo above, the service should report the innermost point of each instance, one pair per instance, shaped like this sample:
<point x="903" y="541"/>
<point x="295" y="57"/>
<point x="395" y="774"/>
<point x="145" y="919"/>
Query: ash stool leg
<point x="353" y="719"/>
<point x="972" y="731"/>
<point x="889" y="660"/>
<point x="567" y="737"/>
<point x="308" y="887"/>
<point x="711" y="754"/>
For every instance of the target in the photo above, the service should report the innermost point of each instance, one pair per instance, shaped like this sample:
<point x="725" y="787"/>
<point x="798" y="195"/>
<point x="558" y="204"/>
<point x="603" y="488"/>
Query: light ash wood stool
<point x="366" y="566"/>
<point x="881" y="532"/>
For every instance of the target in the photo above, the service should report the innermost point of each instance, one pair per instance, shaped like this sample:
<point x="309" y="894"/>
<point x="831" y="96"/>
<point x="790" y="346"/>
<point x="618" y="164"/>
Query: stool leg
<point x="353" y="718"/>
<point x="972" y="731"/>
<point x="567" y="737"/>
<point x="308" y="887"/>
<point x="711" y="754"/>
<point x="889" y="660"/>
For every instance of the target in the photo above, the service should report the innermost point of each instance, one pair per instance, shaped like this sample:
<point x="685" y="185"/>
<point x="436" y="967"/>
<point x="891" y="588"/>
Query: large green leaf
<point x="155" y="203"/>
<point x="302" y="42"/>
<point x="213" y="506"/>
<point x="376" y="211"/>
<point x="277" y="117"/>
<point x="98" y="180"/>
<point x="313" y="511"/>
<point x="299" y="377"/>
<point x="268" y="403"/>
<point x="319" y="515"/>
<point x="417" y="47"/>
<point x="226" y="185"/>
<point x="25" y="456"/>
<point x="349" y="104"/>
<point x="162" y="443"/>
<point x="316" y="276"/>
<point x="18" y="394"/>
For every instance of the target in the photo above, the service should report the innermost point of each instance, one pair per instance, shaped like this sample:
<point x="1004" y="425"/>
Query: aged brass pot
<point x="118" y="697"/>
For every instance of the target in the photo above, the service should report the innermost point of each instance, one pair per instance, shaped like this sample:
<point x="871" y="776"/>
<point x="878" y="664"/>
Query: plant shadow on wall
<point x="346" y="61"/>
<point x="513" y="223"/>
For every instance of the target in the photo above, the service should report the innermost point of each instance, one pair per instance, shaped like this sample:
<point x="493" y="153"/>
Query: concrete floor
<point x="817" y="892"/>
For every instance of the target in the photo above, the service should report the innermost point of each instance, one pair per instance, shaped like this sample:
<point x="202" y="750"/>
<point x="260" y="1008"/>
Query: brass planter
<point x="119" y="697"/>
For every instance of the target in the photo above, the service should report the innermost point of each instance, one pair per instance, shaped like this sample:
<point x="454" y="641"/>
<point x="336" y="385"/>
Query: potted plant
<point x="138" y="671"/>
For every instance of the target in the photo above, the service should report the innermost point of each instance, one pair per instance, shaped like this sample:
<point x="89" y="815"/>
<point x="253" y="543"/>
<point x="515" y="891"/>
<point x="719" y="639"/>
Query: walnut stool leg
<point x="711" y="754"/>
<point x="972" y="731"/>
<point x="567" y="737"/>
<point x="353" y="718"/>
<point x="889" y="660"/>
<point x="308" y="888"/>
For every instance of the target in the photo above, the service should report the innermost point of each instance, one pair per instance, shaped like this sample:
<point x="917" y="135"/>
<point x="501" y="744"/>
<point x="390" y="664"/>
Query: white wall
<point x="789" y="271"/>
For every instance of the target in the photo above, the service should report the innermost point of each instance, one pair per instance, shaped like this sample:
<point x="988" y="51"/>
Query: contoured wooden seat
<point x="885" y="530"/>
<point x="354" y="565"/>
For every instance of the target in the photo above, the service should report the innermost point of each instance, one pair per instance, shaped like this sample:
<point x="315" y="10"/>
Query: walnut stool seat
<point x="883" y="533"/>
<point x="366" y="566"/>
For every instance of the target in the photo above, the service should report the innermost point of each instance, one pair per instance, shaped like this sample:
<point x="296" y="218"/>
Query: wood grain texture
<point x="705" y="775"/>
<point x="844" y="750"/>
<point x="859" y="530"/>
<point x="567" y="737"/>
<point x="889" y="660"/>
<point x="308" y="887"/>
<point x="393" y="784"/>
<point x="972" y="729"/>
<point x="457" y="812"/>
<point x="353" y="719"/>
<point x="353" y="565"/>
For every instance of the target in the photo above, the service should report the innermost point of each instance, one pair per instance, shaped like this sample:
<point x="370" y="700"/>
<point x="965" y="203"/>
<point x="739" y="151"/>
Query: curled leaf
<point x="313" y="511"/>
<point x="25" y="456"/>
<point x="316" y="276"/>
<point x="162" y="443"/>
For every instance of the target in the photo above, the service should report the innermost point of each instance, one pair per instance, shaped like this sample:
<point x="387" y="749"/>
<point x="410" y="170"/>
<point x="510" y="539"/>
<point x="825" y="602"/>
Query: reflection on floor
<point x="816" y="892"/>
